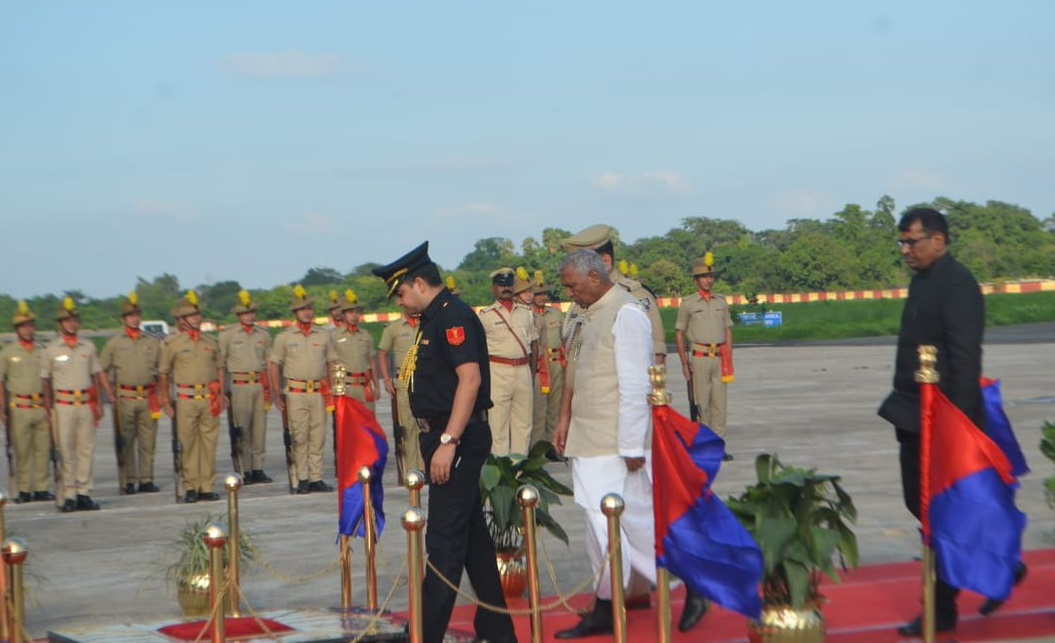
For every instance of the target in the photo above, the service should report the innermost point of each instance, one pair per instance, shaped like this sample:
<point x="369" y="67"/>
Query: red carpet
<point x="234" y="628"/>
<point x="866" y="607"/>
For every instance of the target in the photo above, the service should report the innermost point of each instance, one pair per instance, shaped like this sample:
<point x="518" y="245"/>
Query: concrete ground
<point x="812" y="404"/>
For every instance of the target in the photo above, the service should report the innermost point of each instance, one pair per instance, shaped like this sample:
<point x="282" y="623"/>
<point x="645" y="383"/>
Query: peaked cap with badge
<point x="245" y="304"/>
<point x="67" y="310"/>
<point x="503" y="277"/>
<point x="300" y="299"/>
<point x="704" y="267"/>
<point x="186" y="306"/>
<point x="406" y="267"/>
<point x="23" y="315"/>
<point x="131" y="305"/>
<point x="591" y="238"/>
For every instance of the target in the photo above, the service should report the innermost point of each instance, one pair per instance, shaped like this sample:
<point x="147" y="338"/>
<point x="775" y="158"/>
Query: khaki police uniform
<point x="548" y="323"/>
<point x="509" y="336"/>
<point x="355" y="351"/>
<point x="244" y="355"/>
<point x="71" y="370"/>
<point x="192" y="365"/>
<point x="20" y="367"/>
<point x="396" y="340"/>
<point x="130" y="360"/>
<point x="704" y="323"/>
<point x="304" y="361"/>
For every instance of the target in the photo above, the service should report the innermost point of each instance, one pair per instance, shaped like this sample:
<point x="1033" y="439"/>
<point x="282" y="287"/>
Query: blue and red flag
<point x="698" y="539"/>
<point x="360" y="443"/>
<point x="998" y="427"/>
<point x="975" y="528"/>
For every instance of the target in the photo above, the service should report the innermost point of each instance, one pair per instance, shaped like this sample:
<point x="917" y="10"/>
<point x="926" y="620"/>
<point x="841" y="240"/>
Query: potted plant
<point x="1047" y="447"/>
<point x="189" y="573"/>
<point x="800" y="520"/>
<point x="500" y="478"/>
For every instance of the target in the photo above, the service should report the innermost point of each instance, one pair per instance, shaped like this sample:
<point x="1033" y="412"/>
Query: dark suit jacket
<point x="945" y="308"/>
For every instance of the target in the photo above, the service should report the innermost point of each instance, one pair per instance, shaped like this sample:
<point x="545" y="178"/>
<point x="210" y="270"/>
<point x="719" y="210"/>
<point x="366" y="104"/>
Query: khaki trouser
<point x="139" y="431"/>
<point x="709" y="390"/>
<point x="510" y="417"/>
<point x="411" y="448"/>
<point x="546" y="407"/>
<point x="76" y="431"/>
<point x="198" y="432"/>
<point x="307" y="421"/>
<point x="31" y="440"/>
<point x="247" y="407"/>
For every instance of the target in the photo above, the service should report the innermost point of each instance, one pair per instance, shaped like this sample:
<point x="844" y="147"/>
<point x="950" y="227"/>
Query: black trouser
<point x="944" y="594"/>
<point x="456" y="538"/>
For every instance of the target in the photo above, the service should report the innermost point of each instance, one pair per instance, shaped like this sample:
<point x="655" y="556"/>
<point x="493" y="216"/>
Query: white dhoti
<point x="593" y="478"/>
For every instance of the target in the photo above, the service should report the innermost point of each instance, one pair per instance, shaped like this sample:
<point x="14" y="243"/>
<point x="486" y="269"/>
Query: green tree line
<point x="853" y="249"/>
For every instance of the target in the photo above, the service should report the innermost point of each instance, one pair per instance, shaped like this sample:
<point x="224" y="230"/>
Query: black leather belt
<point x="427" y="425"/>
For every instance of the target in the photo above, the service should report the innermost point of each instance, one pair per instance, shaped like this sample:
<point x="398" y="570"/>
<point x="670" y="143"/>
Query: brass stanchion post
<point x="365" y="476"/>
<point x="5" y="625"/>
<point x="233" y="484"/>
<point x="663" y="598"/>
<point x="415" y="480"/>
<point x="927" y="377"/>
<point x="14" y="554"/>
<point x="612" y="506"/>
<point x="215" y="537"/>
<point x="528" y="498"/>
<point x="414" y="523"/>
<point x="346" y="572"/>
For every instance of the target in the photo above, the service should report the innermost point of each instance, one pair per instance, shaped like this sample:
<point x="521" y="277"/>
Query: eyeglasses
<point x="910" y="243"/>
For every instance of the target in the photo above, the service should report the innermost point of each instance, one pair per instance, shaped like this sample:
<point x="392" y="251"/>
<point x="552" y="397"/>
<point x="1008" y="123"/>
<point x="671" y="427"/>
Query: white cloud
<point x="312" y="224"/>
<point x="920" y="181"/>
<point x="164" y="209"/>
<point x="801" y="203"/>
<point x="471" y="209"/>
<point x="653" y="183"/>
<point x="288" y="64"/>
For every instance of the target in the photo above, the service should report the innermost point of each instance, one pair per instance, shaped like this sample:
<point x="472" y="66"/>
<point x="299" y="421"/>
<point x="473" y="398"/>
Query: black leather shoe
<point x="130" y="489"/>
<point x="208" y="496"/>
<point x="693" y="610"/>
<point x="68" y="506"/>
<point x="85" y="503"/>
<point x="43" y="495"/>
<point x="23" y="497"/>
<point x="597" y="621"/>
<point x="319" y="485"/>
<point x="991" y="604"/>
<point x="303" y="488"/>
<point x="914" y="628"/>
<point x="148" y="487"/>
<point x="190" y="497"/>
<point x="260" y="477"/>
<point x="504" y="639"/>
<point x="727" y="457"/>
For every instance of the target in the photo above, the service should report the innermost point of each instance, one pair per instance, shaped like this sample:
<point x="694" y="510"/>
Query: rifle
<point x="12" y="479"/>
<point x="236" y="433"/>
<point x="56" y="456"/>
<point x="694" y="411"/>
<point x="177" y="459"/>
<point x="287" y="438"/>
<point x="119" y="448"/>
<point x="399" y="436"/>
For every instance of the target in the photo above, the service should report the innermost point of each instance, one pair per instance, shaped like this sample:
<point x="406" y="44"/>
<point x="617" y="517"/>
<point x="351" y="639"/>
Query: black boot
<point x="693" y="610"/>
<point x="914" y="628"/>
<point x="303" y="488"/>
<point x="260" y="477"/>
<point x="991" y="604"/>
<point x="598" y="621"/>
<point x="85" y="503"/>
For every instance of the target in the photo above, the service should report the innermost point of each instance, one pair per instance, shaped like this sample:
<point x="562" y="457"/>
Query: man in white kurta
<point x="605" y="427"/>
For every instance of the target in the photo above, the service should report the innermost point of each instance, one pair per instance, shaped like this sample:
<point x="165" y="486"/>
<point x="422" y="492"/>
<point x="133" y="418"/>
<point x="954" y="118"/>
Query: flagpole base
<point x="782" y="624"/>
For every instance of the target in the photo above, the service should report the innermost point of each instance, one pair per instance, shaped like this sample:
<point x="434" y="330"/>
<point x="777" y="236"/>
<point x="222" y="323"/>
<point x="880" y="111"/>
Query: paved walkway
<point x="814" y="405"/>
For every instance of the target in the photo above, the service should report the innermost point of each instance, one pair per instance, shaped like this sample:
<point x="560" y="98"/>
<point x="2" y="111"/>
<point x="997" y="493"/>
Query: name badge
<point x="62" y="358"/>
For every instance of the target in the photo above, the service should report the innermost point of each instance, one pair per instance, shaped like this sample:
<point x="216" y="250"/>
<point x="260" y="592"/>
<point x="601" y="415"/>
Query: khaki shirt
<point x="549" y="323"/>
<point x="189" y="362"/>
<point x="702" y="321"/>
<point x="242" y="352"/>
<point x="131" y="362"/>
<point x="303" y="357"/>
<point x="20" y="369"/>
<point x="355" y="350"/>
<point x="69" y="368"/>
<point x="397" y="339"/>
<point x="500" y="336"/>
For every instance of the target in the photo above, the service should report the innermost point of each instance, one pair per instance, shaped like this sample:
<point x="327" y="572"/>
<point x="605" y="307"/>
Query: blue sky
<point x="254" y="140"/>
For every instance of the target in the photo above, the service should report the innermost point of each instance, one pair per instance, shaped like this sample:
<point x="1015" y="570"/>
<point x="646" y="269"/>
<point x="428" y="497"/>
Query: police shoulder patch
<point x="456" y="335"/>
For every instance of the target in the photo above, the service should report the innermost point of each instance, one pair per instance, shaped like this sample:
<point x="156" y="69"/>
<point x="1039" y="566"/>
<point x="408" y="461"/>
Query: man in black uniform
<point x="449" y="383"/>
<point x="945" y="309"/>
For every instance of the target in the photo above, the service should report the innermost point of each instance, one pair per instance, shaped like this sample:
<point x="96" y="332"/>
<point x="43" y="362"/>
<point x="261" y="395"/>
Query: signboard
<point x="773" y="319"/>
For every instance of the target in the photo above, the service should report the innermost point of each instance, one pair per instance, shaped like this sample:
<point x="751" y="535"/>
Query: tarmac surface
<point x="812" y="404"/>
